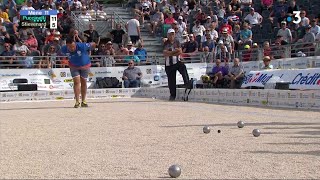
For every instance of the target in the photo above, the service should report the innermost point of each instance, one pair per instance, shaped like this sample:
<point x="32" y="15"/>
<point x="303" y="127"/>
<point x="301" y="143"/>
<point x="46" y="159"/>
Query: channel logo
<point x="296" y="18"/>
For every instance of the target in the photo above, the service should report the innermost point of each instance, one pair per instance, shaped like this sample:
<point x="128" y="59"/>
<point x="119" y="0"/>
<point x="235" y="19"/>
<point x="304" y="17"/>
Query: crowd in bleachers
<point x="223" y="27"/>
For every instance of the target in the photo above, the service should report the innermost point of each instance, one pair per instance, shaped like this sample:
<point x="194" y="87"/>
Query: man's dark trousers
<point x="172" y="75"/>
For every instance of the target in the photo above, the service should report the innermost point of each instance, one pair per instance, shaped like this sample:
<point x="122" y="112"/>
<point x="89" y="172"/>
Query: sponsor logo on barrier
<point x="42" y="86"/>
<point x="59" y="98"/>
<point x="71" y="85"/>
<point x="56" y="81"/>
<point x="10" y="75"/>
<point x="63" y="74"/>
<point x="51" y="74"/>
<point x="309" y="79"/>
<point x="148" y="71"/>
<point x="68" y="80"/>
<point x="39" y="73"/>
<point x="56" y="87"/>
<point x="3" y="82"/>
<point x="156" y="78"/>
<point x="102" y="72"/>
<point x="258" y="78"/>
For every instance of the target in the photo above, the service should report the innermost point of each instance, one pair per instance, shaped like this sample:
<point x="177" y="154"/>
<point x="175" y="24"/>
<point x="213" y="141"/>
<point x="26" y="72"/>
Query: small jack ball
<point x="219" y="131"/>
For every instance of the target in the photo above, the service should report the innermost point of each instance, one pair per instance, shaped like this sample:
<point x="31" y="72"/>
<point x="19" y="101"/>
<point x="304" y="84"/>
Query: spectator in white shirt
<point x="315" y="29"/>
<point x="304" y="19"/>
<point x="28" y="6"/>
<point x="254" y="18"/>
<point x="198" y="31"/>
<point x="77" y="4"/>
<point x="133" y="29"/>
<point x="285" y="32"/>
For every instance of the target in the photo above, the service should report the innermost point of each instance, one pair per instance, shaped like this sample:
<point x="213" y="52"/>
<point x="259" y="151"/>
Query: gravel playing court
<point x="141" y="138"/>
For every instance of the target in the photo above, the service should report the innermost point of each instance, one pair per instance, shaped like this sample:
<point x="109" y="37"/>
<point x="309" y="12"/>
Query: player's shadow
<point x="295" y="143"/>
<point x="310" y="153"/>
<point x="111" y="102"/>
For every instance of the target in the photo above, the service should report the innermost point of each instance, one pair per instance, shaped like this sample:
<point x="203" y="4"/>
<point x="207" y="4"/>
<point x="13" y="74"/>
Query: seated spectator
<point x="23" y="33"/>
<point x="224" y="26"/>
<point x="245" y="35"/>
<point x="74" y="34"/>
<point x="20" y="46"/>
<point x="108" y="60"/>
<point x="228" y="41"/>
<point x="32" y="44"/>
<point x="7" y="61"/>
<point x="245" y="4"/>
<point x="236" y="36"/>
<point x="246" y="53"/>
<point x="198" y="31"/>
<point x="101" y="15"/>
<point x="156" y="20"/>
<point x="206" y="56"/>
<point x="267" y="51"/>
<point x="318" y="37"/>
<point x="236" y="74"/>
<point x="130" y="47"/>
<point x="65" y="23"/>
<point x="121" y="53"/>
<point x="92" y="35"/>
<point x="169" y="20"/>
<point x="299" y="32"/>
<point x="235" y="6"/>
<point x="51" y="59"/>
<point x="9" y="38"/>
<point x="267" y="4"/>
<point x="200" y="16"/>
<point x="305" y="20"/>
<point x="208" y="43"/>
<point x="254" y="52"/>
<point x="278" y="50"/>
<point x="292" y="7"/>
<point x="131" y="57"/>
<point x="141" y="52"/>
<point x="190" y="48"/>
<point x="28" y="6"/>
<point x="315" y="29"/>
<point x="233" y="18"/>
<point x="24" y="60"/>
<point x="109" y="47"/>
<point x="277" y="9"/>
<point x="132" y="76"/>
<point x="46" y="47"/>
<point x="218" y="72"/>
<point x="222" y="52"/>
<point x="254" y="18"/>
<point x="221" y="12"/>
<point x="266" y="62"/>
<point x="4" y="15"/>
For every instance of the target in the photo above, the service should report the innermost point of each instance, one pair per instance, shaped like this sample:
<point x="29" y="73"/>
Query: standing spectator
<point x="236" y="74"/>
<point x="92" y="35"/>
<point x="228" y="41"/>
<point x="285" y="32"/>
<point x="141" y="53"/>
<point x="254" y="18"/>
<point x="305" y="20"/>
<point x="132" y="76"/>
<point x="133" y="29"/>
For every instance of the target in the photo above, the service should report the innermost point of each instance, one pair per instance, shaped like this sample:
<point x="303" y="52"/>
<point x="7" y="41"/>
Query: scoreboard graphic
<point x="38" y="19"/>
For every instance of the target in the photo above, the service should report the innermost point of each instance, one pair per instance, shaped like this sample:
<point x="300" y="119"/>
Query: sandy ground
<point x="141" y="138"/>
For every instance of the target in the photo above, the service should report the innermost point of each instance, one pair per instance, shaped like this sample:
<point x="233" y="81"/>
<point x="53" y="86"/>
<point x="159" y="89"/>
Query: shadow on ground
<point x="311" y="153"/>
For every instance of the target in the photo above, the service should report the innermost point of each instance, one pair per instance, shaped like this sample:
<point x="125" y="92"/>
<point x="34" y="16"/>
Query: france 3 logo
<point x="295" y="18"/>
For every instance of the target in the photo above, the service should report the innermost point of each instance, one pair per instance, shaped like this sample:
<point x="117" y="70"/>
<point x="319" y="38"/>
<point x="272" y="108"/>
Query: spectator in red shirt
<point x="169" y="19"/>
<point x="246" y="54"/>
<point x="225" y="25"/>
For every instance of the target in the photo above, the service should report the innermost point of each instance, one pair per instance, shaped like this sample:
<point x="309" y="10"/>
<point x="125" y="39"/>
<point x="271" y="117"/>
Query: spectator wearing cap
<point x="181" y="25"/>
<point x="266" y="63"/>
<point x="28" y="6"/>
<point x="7" y="61"/>
<point x="200" y="16"/>
<point x="228" y="41"/>
<point x="131" y="57"/>
<point x="308" y="41"/>
<point x="51" y="36"/>
<point x="254" y="18"/>
<point x="109" y="47"/>
<point x="141" y="52"/>
<point x="185" y="10"/>
<point x="225" y="25"/>
<point x="208" y="43"/>
<point x="285" y="32"/>
<point x="222" y="52"/>
<point x="246" y="53"/>
<point x="133" y="29"/>
<point x="255" y="52"/>
<point x="245" y="35"/>
<point x="198" y="31"/>
<point x="315" y="29"/>
<point x="132" y="76"/>
<point x="130" y="46"/>
<point x="117" y="36"/>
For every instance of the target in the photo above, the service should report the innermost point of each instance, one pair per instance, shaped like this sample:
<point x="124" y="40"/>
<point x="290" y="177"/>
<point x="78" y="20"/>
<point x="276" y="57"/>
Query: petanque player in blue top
<point x="79" y="63"/>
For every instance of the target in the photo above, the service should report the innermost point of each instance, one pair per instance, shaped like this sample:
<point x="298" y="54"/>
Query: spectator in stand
<point x="32" y="44"/>
<point x="131" y="57"/>
<point x="315" y="29"/>
<point x="51" y="59"/>
<point x="190" y="48"/>
<point x="267" y="4"/>
<point x="254" y="18"/>
<point x="74" y="34"/>
<point x="55" y="43"/>
<point x="233" y="18"/>
<point x="278" y="50"/>
<point x="305" y="20"/>
<point x="267" y="51"/>
<point x="285" y="32"/>
<point x="221" y="12"/>
<point x="7" y="61"/>
<point x="132" y="76"/>
<point x="7" y="38"/>
<point x="23" y="33"/>
<point x="292" y="7"/>
<point x="109" y="47"/>
<point x="181" y="25"/>
<point x="200" y="16"/>
<point x="246" y="4"/>
<point x="208" y="43"/>
<point x="227" y="41"/>
<point x="318" y="37"/>
<point x="169" y="19"/>
<point x="20" y="46"/>
<point x="254" y="52"/>
<point x="266" y="62"/>
<point x="277" y="9"/>
<point x="236" y="36"/>
<point x="117" y="36"/>
<point x="299" y="32"/>
<point x="236" y="74"/>
<point x="245" y="35"/>
<point x="108" y="60"/>
<point x="121" y="53"/>
<point x="28" y="6"/>
<point x="225" y="25"/>
<point x="185" y="10"/>
<point x="198" y="31"/>
<point x="77" y="4"/>
<point x="218" y="72"/>
<point x="133" y="29"/>
<point x="222" y="52"/>
<point x="156" y="21"/>
<point x="206" y="56"/>
<point x="130" y="47"/>
<point x="141" y="53"/>
<point x="235" y="6"/>
<point x="4" y="15"/>
<point x="246" y="53"/>
<point x="65" y="23"/>
<point x="24" y="60"/>
<point x="92" y="35"/>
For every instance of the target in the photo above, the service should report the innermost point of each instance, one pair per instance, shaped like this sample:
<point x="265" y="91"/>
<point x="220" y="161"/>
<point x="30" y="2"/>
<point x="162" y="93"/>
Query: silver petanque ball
<point x="206" y="129"/>
<point x="174" y="171"/>
<point x="256" y="132"/>
<point x="240" y="124"/>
